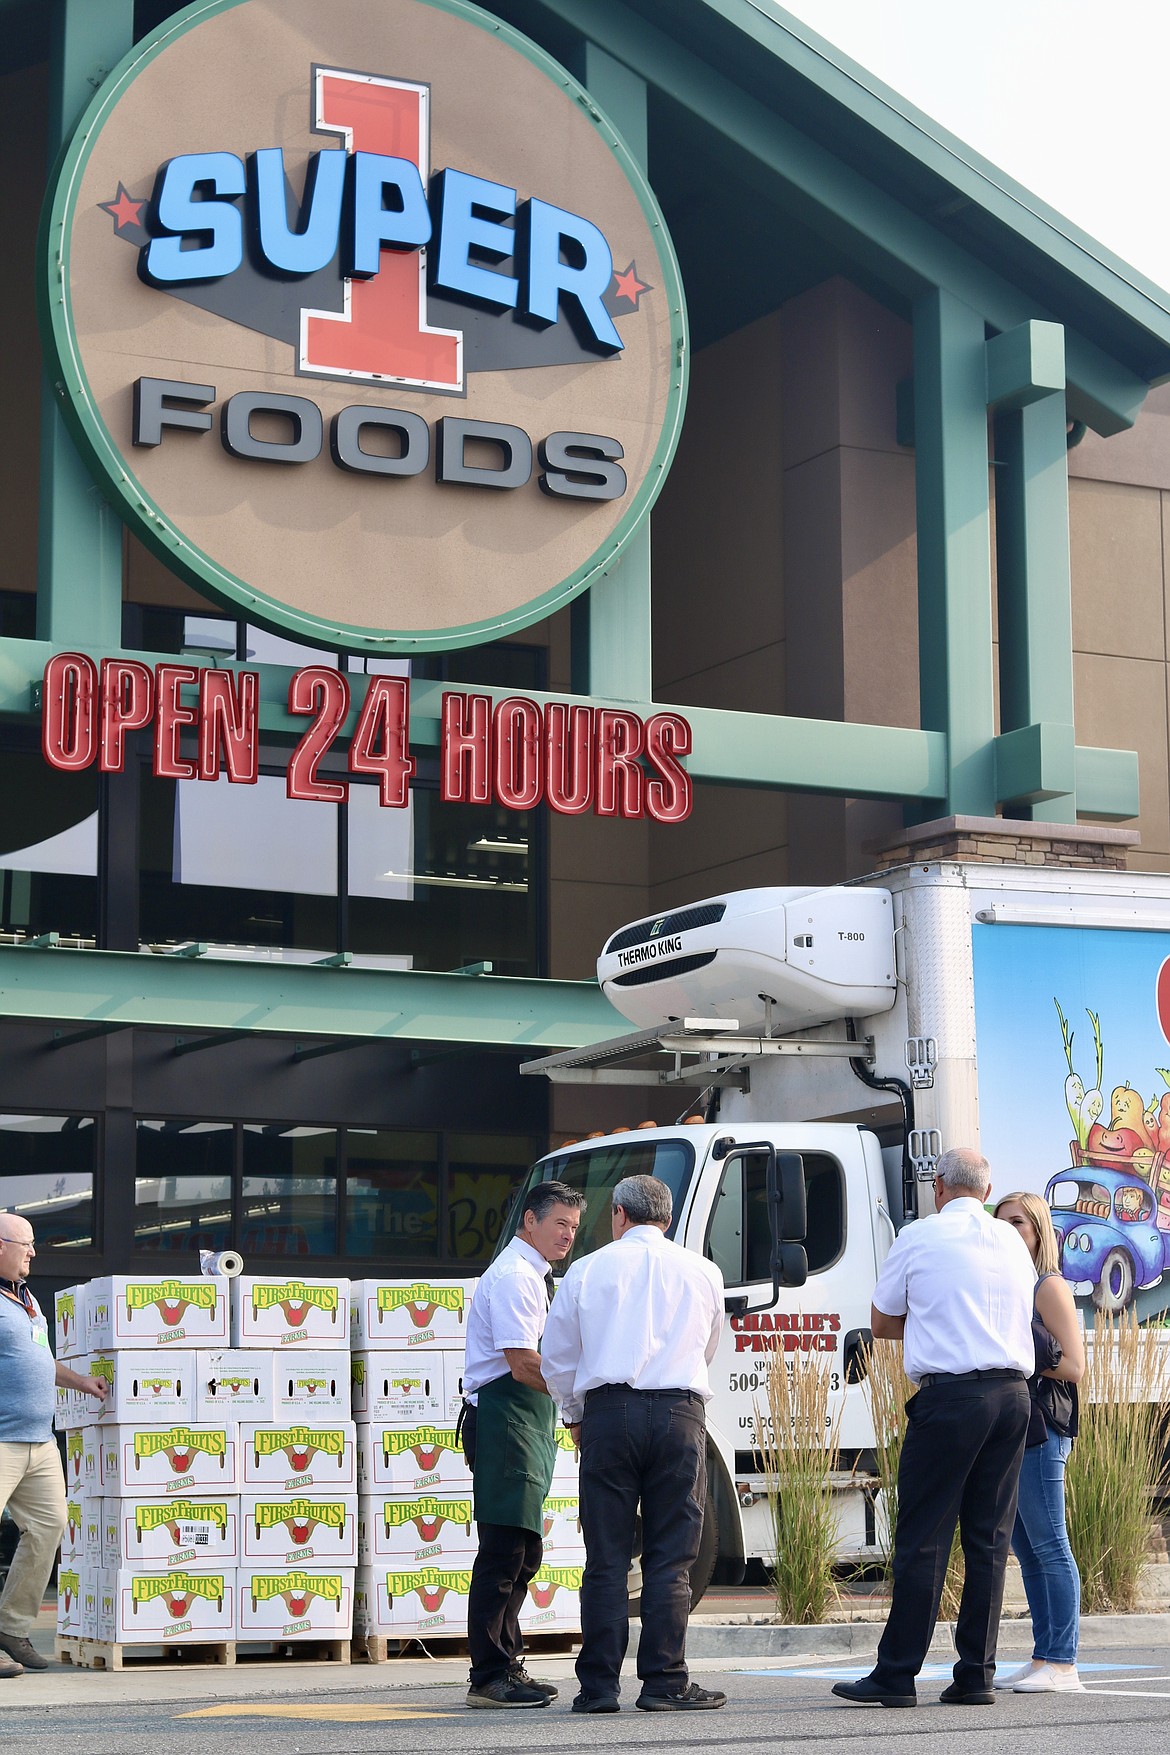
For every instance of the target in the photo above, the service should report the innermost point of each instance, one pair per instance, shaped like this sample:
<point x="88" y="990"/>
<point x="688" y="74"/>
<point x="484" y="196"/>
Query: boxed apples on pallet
<point x="293" y="1458"/>
<point x="171" y="1534"/>
<point x="156" y="1461"/>
<point x="411" y="1600"/>
<point x="69" y="1325"/>
<point x="145" y="1388"/>
<point x="407" y="1533"/>
<point x="186" y="1310"/>
<point x="315" y="1529"/>
<point x="410" y="1461"/>
<point x="283" y="1603"/>
<point x="400" y="1315"/>
<point x="399" y="1389"/>
<point x="288" y="1311"/>
<point x="553" y="1602"/>
<point x="148" y="1606"/>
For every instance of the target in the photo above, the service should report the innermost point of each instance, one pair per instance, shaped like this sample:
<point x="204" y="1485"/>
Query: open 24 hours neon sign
<point x="516" y="753"/>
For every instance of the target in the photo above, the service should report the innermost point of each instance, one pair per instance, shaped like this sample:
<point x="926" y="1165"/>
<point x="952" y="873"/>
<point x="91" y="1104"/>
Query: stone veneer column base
<point x="1005" y="841"/>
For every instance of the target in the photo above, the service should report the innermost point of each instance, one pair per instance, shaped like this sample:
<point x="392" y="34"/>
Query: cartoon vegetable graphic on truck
<point x="1111" y="1208"/>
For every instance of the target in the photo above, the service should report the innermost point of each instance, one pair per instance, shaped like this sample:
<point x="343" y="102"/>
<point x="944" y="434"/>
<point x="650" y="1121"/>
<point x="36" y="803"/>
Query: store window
<point x="484" y="1173"/>
<point x="289" y="1190"/>
<point x="183" y="1186"/>
<point x="392" y="1194"/>
<point x="47" y="1176"/>
<point x="48" y="844"/>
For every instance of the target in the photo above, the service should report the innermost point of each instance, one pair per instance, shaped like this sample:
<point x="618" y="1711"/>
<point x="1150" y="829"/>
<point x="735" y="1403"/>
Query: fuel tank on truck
<point x="815" y="955"/>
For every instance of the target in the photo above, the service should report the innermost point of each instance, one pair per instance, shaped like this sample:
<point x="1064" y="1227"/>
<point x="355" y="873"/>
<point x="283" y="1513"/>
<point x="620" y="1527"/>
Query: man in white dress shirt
<point x="509" y="1439"/>
<point x="958" y="1292"/>
<point x="626" y="1350"/>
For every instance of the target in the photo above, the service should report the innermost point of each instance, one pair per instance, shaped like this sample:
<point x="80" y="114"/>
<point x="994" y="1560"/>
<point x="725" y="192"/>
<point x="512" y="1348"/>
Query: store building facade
<point x="853" y="469"/>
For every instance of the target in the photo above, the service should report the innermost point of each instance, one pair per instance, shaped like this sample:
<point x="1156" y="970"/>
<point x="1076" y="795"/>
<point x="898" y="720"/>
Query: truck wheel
<point x="704" y="1568"/>
<point x="1114" y="1289"/>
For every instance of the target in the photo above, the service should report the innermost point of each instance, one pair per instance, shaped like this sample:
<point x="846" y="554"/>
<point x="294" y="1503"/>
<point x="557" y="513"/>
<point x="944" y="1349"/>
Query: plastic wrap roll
<point x="221" y="1264"/>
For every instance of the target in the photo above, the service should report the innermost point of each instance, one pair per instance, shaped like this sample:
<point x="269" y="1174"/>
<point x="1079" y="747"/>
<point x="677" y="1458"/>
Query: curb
<point x="717" y="1639"/>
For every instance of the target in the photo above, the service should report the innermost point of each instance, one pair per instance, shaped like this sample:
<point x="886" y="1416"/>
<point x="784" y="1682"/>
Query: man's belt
<point x="629" y="1389"/>
<point x="933" y="1377"/>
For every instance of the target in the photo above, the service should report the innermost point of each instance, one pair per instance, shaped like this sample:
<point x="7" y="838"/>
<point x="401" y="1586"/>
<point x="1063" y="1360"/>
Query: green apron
<point x="515" y="1449"/>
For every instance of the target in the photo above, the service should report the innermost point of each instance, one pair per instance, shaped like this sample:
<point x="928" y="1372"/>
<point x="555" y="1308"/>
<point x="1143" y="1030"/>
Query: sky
<point x="1070" y="97"/>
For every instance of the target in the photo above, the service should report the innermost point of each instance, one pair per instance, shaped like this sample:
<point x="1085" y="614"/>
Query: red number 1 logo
<point x="382" y="333"/>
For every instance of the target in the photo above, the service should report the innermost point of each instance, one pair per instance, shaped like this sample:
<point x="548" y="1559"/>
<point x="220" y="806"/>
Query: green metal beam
<point x="79" y="556"/>
<point x="611" y="630"/>
<point x="1107" y="784"/>
<point x="300" y="1000"/>
<point x="956" y="677"/>
<point x="1024" y="364"/>
<point x="1034" y="765"/>
<point x="840" y="203"/>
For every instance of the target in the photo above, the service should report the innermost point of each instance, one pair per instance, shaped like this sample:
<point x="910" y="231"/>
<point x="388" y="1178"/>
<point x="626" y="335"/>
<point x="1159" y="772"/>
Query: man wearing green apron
<point x="509" y="1426"/>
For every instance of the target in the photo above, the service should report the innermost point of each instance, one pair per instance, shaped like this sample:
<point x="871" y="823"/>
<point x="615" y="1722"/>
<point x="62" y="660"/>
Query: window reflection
<point x="47" y="1164"/>
<point x="484" y="1174"/>
<point x="289" y="1190"/>
<point x="392" y="1194"/>
<point x="183" y="1185"/>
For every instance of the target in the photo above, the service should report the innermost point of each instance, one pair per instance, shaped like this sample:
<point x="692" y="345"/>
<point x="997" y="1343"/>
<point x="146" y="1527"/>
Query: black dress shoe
<point x="596" y="1703"/>
<point x="866" y="1692"/>
<point x="956" y="1696"/>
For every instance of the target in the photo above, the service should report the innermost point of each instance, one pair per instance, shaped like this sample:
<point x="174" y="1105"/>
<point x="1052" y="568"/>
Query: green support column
<point x="1035" y="597"/>
<point x="79" y="569"/>
<point x="611" y="626"/>
<point x="954" y="546"/>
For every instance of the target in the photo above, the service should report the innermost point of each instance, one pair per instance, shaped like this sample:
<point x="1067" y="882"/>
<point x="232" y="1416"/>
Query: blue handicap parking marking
<point x="928" y="1673"/>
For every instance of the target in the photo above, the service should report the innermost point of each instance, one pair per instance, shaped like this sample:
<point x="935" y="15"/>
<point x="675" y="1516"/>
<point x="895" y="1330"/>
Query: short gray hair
<point x="644" y="1200"/>
<point x="963" y="1167"/>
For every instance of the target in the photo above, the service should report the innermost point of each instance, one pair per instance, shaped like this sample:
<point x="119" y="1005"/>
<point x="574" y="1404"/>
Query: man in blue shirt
<point x="32" y="1485"/>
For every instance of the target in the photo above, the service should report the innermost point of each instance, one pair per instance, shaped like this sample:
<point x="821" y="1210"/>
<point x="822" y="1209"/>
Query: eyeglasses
<point x="19" y="1242"/>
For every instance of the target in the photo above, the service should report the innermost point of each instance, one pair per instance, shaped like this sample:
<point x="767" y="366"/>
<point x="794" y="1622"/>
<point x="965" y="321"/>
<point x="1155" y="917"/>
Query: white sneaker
<point x="1049" y="1680"/>
<point x="1009" y="1678"/>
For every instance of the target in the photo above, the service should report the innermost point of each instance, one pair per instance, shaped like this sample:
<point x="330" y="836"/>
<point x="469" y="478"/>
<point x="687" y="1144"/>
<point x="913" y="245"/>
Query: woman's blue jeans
<point x="1040" y="1540"/>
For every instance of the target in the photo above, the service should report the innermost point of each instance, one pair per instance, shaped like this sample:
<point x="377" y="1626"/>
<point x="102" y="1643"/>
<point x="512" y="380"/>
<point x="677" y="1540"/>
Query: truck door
<point x="821" y="1317"/>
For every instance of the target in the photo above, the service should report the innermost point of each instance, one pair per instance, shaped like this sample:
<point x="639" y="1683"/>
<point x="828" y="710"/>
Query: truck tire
<point x="704" y="1568"/>
<point x="1114" y="1289"/>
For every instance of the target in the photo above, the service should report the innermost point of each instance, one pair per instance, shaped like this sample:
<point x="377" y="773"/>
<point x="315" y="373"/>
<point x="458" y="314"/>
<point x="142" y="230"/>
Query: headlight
<point x="1085" y="1244"/>
<point x="1070" y="1241"/>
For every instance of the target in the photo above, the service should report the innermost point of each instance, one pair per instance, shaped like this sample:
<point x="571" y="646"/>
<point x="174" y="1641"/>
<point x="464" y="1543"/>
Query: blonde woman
<point x="1040" y="1537"/>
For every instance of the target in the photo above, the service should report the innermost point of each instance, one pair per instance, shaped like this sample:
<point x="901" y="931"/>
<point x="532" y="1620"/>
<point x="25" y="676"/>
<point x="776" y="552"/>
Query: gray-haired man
<point x="626" y="1350"/>
<point x="957" y="1288"/>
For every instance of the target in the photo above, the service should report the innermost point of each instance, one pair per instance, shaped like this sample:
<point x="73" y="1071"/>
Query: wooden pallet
<point x="66" y="1649"/>
<point x="101" y="1654"/>
<point x="379" y="1648"/>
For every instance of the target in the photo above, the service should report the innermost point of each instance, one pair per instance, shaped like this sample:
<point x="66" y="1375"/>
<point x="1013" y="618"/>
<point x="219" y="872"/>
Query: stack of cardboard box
<point x="200" y="1490"/>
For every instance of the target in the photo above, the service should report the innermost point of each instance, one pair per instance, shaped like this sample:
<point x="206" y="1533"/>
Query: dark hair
<point x="544" y="1195"/>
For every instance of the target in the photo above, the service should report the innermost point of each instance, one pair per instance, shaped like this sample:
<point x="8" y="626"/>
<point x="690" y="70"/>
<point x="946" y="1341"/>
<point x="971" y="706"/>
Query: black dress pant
<point x="648" y="1446"/>
<point x="960" y="1461"/>
<point x="507" y="1561"/>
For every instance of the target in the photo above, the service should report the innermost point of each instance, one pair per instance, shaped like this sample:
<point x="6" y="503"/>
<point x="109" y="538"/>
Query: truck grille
<point x="683" y="920"/>
<point x="647" y="972"/>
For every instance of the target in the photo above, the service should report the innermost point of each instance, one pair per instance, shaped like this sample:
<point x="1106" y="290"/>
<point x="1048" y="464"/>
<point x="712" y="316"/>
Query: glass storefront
<point x="47" y="1165"/>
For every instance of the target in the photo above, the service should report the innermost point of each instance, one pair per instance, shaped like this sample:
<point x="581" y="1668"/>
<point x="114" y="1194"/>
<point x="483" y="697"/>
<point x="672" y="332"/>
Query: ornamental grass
<point x="799" y="1447"/>
<point x="1116" y="1460"/>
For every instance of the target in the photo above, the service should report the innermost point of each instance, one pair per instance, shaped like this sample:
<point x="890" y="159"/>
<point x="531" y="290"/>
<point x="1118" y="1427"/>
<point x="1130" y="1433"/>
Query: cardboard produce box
<point x="149" y="1461"/>
<point x="69" y="1323"/>
<point x="141" y="1311"/>
<point x="412" y="1461"/>
<point x="234" y="1385"/>
<point x="73" y="1539"/>
<point x="399" y="1315"/>
<point x="171" y="1534"/>
<point x="562" y="1526"/>
<point x="82" y="1473"/>
<point x="423" y="1530"/>
<point x="294" y="1603"/>
<point x="300" y="1456"/>
<point x="410" y="1600"/>
<point x="452" y="1386"/>
<point x="146" y="1389"/>
<point x="553" y="1603"/>
<point x="567" y="1467"/>
<point x="316" y="1529"/>
<point x="92" y="1582"/>
<point x="69" y="1601"/>
<point x="310" y="1385"/>
<point x="399" y="1389"/>
<point x="290" y="1312"/>
<point x="91" y="1535"/>
<point x="151" y="1607"/>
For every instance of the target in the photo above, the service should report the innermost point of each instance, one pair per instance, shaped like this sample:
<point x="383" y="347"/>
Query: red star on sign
<point x="124" y="211"/>
<point x="628" y="286"/>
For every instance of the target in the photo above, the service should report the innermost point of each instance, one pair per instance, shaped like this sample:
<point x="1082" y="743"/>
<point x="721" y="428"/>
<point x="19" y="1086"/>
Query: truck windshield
<point x="596" y="1174"/>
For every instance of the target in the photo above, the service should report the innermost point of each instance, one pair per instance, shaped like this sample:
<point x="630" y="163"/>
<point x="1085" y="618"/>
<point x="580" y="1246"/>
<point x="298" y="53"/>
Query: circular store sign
<point x="365" y="318"/>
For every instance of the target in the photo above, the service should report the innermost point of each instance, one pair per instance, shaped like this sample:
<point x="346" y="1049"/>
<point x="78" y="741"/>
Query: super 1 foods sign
<point x="369" y="325"/>
<point x="364" y="317"/>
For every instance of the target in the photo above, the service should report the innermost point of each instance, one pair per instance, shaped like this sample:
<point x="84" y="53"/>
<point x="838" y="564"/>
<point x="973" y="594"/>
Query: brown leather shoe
<point x="8" y="1668"/>
<point x="22" y="1652"/>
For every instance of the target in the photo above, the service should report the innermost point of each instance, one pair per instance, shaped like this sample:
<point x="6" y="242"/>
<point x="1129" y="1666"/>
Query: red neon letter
<point x="669" y="799"/>
<point x="67" y="711"/>
<point x="519" y="756"/>
<point x="619" y="775"/>
<point x="383" y="716"/>
<point x="382" y="331"/>
<point x="464" y="750"/>
<point x="127" y="702"/>
<point x="568" y="745"/>
<point x="324" y="692"/>
<point x="170" y="718"/>
<point x="228" y="719"/>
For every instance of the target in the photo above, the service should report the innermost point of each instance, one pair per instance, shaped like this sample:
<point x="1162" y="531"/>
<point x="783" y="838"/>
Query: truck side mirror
<point x="792" y="1266"/>
<point x="788" y="1170"/>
